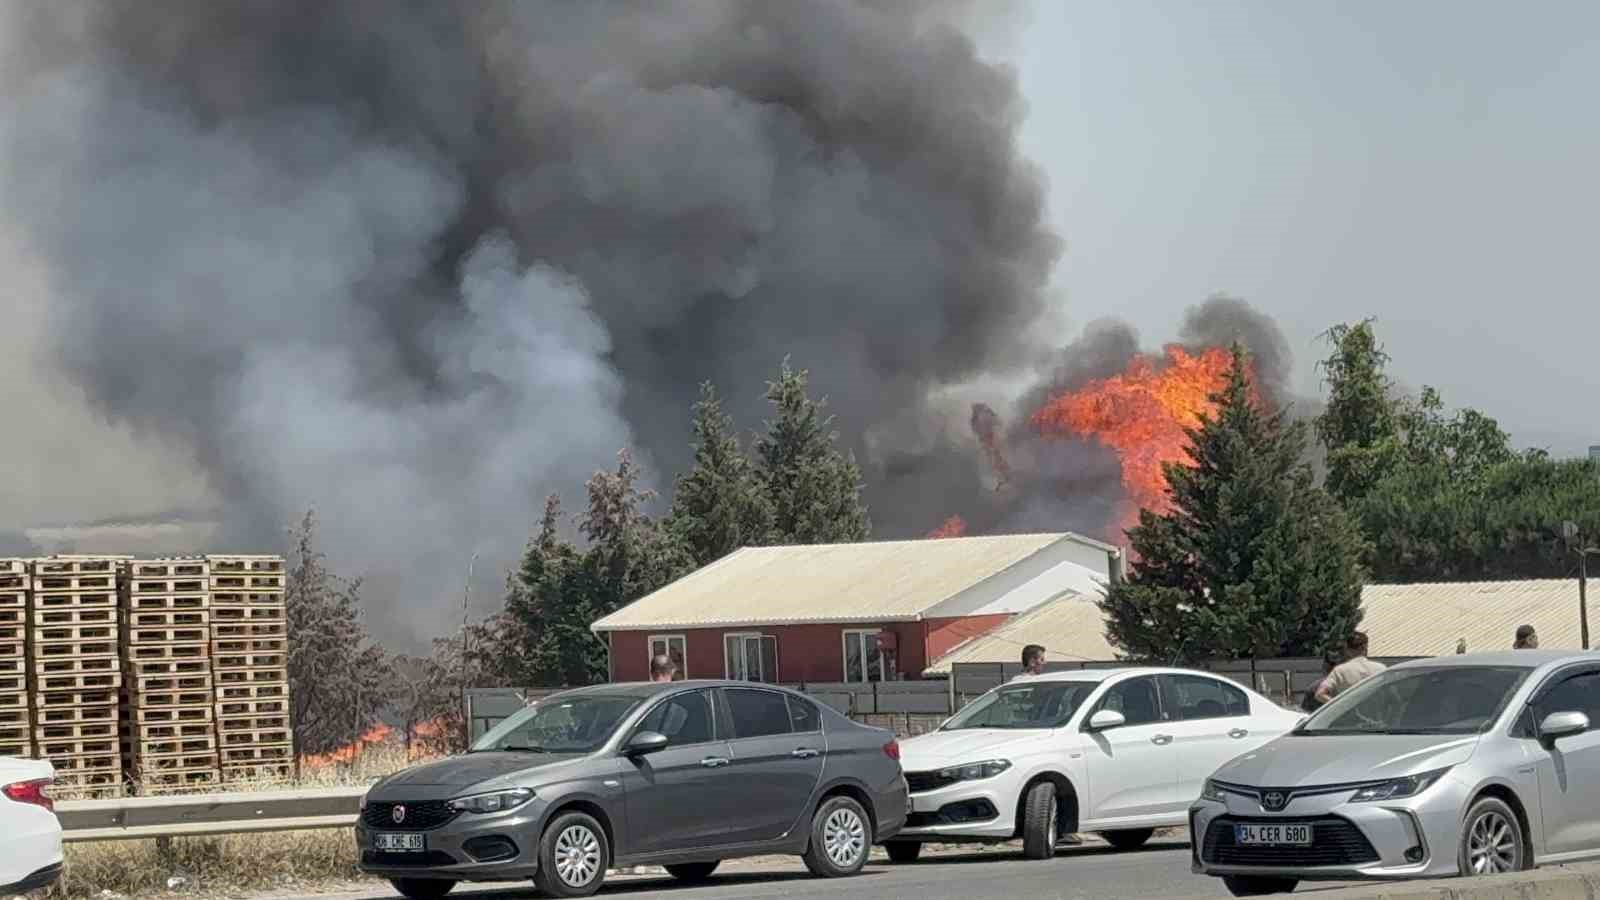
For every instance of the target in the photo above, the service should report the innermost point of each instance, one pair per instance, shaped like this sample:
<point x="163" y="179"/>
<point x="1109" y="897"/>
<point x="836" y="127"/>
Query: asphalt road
<point x="1159" y="871"/>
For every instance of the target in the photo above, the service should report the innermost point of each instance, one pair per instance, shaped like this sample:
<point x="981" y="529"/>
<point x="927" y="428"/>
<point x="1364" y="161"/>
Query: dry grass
<point x="232" y="864"/>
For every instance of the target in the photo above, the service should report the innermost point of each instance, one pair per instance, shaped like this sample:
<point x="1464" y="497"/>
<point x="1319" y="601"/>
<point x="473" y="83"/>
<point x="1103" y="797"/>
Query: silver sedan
<point x="1471" y="764"/>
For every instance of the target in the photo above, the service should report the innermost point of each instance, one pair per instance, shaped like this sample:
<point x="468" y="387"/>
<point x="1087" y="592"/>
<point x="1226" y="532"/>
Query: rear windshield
<point x="1430" y="700"/>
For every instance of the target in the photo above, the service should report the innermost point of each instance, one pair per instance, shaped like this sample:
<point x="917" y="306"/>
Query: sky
<point x="1430" y="164"/>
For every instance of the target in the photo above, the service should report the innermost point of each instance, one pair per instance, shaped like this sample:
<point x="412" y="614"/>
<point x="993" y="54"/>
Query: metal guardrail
<point x="191" y="815"/>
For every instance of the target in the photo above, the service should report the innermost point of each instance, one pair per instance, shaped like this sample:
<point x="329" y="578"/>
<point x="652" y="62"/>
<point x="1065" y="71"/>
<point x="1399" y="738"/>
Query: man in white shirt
<point x="1354" y="670"/>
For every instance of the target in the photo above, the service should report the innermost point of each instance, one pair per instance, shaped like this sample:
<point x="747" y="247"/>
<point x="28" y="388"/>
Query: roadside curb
<point x="1575" y="882"/>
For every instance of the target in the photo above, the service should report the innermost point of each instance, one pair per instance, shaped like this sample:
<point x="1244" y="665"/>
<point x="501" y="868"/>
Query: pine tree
<point x="814" y="490"/>
<point x="1252" y="560"/>
<point x="339" y="680"/>
<point x="718" y="507"/>
<point x="1360" y="426"/>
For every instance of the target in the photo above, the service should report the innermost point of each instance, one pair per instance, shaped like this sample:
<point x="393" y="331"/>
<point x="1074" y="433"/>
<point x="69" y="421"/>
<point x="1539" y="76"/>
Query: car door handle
<point x="713" y="762"/>
<point x="1237" y="733"/>
<point x="1161" y="739"/>
<point x="804" y="753"/>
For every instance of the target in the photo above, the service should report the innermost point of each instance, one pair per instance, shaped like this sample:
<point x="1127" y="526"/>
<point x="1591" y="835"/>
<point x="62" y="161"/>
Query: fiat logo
<point x="399" y="814"/>
<point x="1271" y="802"/>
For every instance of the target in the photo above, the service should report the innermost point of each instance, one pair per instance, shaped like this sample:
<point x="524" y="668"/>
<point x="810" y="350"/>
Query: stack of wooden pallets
<point x="249" y="662"/>
<point x="16" y="719"/>
<point x="168" y="736"/>
<point x="73" y="669"/>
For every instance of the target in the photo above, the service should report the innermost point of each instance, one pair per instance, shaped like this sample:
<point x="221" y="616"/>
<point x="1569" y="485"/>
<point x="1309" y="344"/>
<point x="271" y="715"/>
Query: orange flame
<point x="955" y="526"/>
<point x="347" y="754"/>
<point x="1142" y="414"/>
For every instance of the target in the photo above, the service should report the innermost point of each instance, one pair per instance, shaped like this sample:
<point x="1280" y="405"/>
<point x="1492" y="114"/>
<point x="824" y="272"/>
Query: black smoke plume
<point x="417" y="263"/>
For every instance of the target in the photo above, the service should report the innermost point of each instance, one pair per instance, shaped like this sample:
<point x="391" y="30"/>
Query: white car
<point x="1120" y="752"/>
<point x="30" y="853"/>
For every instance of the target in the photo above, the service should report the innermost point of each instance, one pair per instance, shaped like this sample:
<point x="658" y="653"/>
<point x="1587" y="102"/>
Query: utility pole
<point x="466" y="615"/>
<point x="1569" y="530"/>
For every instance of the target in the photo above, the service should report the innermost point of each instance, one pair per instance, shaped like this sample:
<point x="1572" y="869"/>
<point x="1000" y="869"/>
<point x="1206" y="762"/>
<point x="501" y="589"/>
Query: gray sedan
<point x="682" y="775"/>
<point x="1469" y="765"/>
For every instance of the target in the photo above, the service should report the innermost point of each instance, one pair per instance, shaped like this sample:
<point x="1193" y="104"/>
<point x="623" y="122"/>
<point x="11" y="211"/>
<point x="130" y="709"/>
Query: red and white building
<point x="877" y="611"/>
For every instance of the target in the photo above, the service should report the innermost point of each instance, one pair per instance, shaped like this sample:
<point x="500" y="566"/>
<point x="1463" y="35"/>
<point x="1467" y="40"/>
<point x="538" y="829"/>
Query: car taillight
<point x="892" y="750"/>
<point x="36" y="792"/>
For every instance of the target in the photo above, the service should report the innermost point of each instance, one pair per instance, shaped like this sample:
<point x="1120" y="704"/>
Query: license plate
<point x="398" y="843"/>
<point x="1286" y="835"/>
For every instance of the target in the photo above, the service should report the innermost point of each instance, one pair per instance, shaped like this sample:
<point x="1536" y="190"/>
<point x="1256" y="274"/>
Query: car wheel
<point x="841" y="834"/>
<point x="1131" y="839"/>
<point x="903" y="851"/>
<point x="692" y="872"/>
<point x="422" y="888"/>
<point x="1491" y="839"/>
<point x="1039" y="811"/>
<point x="1257" y="886"/>
<point x="573" y="856"/>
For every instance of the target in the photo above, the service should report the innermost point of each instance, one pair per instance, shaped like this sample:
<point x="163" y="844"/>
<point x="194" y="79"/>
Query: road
<point x="1090" y="872"/>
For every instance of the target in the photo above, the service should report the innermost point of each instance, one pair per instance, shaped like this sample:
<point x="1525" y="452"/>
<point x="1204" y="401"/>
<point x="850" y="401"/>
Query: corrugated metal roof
<point x="1428" y="619"/>
<point x="1070" y="629"/>
<point x="867" y="582"/>
<point x="1399" y="619"/>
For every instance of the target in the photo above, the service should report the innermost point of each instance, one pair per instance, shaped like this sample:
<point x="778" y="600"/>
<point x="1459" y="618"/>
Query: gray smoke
<point x="418" y="265"/>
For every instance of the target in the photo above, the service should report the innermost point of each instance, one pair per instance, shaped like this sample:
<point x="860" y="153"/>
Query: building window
<point x="673" y="645"/>
<point x="863" y="660"/>
<point x="751" y="657"/>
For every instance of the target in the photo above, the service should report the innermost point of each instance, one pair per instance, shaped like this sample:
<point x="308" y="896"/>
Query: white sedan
<point x="1120" y="752"/>
<point x="30" y="854"/>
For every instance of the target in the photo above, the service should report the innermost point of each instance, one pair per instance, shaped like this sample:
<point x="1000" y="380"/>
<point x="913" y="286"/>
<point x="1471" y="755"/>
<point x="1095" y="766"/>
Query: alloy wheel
<point x="1492" y="844"/>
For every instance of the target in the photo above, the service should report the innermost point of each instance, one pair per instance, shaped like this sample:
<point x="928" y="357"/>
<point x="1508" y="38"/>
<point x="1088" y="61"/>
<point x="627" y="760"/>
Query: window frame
<point x="668" y="697"/>
<point x="1105" y="694"/>
<point x="844" y="655"/>
<point x="1172" y="715"/>
<point x="683" y="643"/>
<point x="761" y="637"/>
<point x="726" y="698"/>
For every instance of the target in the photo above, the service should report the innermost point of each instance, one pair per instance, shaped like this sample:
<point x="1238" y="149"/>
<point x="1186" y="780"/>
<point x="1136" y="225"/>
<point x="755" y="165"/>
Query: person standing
<point x="1355" y="669"/>
<point x="662" y="668"/>
<point x="1526" y="639"/>
<point x="1330" y="661"/>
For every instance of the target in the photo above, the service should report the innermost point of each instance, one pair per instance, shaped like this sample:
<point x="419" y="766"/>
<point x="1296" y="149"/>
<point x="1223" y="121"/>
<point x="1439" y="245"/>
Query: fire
<point x="347" y="754"/>
<point x="1142" y="414"/>
<point x="955" y="526"/>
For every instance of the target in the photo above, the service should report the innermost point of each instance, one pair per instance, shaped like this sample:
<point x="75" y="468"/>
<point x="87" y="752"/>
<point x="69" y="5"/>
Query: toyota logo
<point x="1271" y="802"/>
<point x="399" y="814"/>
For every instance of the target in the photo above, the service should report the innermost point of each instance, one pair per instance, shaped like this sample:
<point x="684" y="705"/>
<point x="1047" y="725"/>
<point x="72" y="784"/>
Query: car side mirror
<point x="645" y="742"/>
<point x="1563" y="724"/>
<point x="1107" y="719"/>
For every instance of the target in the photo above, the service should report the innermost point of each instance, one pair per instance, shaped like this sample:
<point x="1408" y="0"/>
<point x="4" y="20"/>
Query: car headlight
<point x="1213" y="792"/>
<point x="498" y="801"/>
<point x="1397" y="788"/>
<point x="976" y="771"/>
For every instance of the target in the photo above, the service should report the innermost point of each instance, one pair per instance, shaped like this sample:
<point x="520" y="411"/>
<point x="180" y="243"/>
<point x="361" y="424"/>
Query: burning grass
<point x="231" y="864"/>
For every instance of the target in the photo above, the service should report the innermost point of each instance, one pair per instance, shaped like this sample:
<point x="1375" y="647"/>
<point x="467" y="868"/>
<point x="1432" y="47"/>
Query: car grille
<point x="923" y="782"/>
<point x="431" y="858"/>
<point x="1334" y="842"/>
<point x="419" y="816"/>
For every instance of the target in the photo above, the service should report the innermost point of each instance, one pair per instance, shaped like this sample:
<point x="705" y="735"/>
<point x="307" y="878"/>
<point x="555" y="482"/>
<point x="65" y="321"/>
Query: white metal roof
<point x="884" y="581"/>
<point x="1399" y="620"/>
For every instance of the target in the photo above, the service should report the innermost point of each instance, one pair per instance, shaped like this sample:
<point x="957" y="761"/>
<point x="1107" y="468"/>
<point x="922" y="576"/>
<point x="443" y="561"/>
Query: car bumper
<point x="1416" y="837"/>
<point x="964" y="810"/>
<point x="42" y="878"/>
<point x="467" y="848"/>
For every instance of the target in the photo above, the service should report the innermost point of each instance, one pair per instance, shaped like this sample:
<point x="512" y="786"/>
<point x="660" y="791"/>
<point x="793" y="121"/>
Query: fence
<point x="205" y="814"/>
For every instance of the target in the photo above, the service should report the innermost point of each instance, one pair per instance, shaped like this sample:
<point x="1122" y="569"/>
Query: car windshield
<point x="571" y="724"/>
<point x="1044" y="704"/>
<point x="1432" y="700"/>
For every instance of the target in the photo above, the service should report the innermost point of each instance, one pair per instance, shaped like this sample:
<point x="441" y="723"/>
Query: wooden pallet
<point x="169" y="715"/>
<point x="258" y="772"/>
<point x="73" y="615"/>
<point x="258" y="753"/>
<point x="258" y="613"/>
<point x="94" y="783"/>
<point x="15" y="715"/>
<point x="242" y="563"/>
<point x="74" y="634"/>
<point x="168" y="586"/>
<point x="13" y="599"/>
<point x="73" y="650"/>
<point x="175" y="602"/>
<point x="73" y="764"/>
<point x="236" y="646"/>
<point x="13" y="616"/>
<point x="245" y="599"/>
<point x="232" y="709"/>
<point x="148" y="653"/>
<point x="247" y="583"/>
<point x="13" y="566"/>
<point x="11" y="701"/>
<point x="13" y="683"/>
<point x="229" y="693"/>
<point x="10" y="651"/>
<point x="16" y="633"/>
<point x="72" y="601"/>
<point x="58" y="715"/>
<point x="178" y="762"/>
<point x="75" y="584"/>
<point x="167" y="634"/>
<point x="167" y="731"/>
<point x="78" y="681"/>
<point x="76" y="731"/>
<point x="175" y="567"/>
<point x="168" y="619"/>
<point x="161" y="683"/>
<point x="252" y="724"/>
<point x="183" y="746"/>
<point x="167" y="666"/>
<point x="43" y="701"/>
<point x="74" y="664"/>
<point x="238" y="739"/>
<point x="223" y="631"/>
<point x="165" y="700"/>
<point x="78" y="565"/>
<point x="174" y="780"/>
<point x="80" y="748"/>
